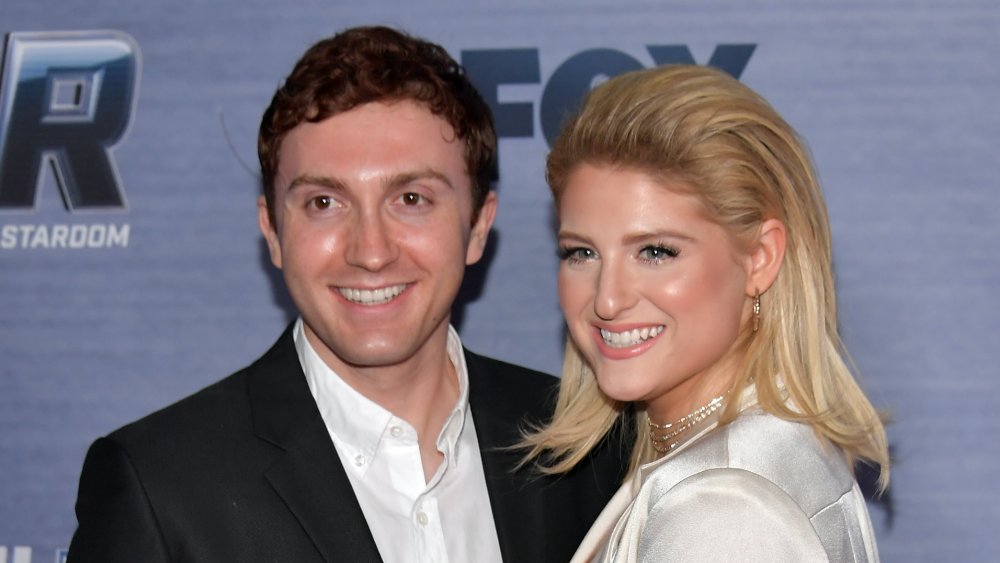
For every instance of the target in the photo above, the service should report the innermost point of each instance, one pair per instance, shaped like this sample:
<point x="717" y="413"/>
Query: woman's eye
<point x="657" y="253"/>
<point x="576" y="253"/>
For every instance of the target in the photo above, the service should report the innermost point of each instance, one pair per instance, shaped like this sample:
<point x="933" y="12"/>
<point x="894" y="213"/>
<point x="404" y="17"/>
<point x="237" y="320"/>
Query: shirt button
<point x="422" y="518"/>
<point x="396" y="431"/>
<point x="359" y="460"/>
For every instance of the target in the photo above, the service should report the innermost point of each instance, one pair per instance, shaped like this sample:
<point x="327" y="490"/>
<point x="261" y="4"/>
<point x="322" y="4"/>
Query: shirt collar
<point x="358" y="422"/>
<point x="448" y="439"/>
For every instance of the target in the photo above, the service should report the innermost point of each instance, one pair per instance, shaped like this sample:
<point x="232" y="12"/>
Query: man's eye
<point x="321" y="202"/>
<point x="412" y="198"/>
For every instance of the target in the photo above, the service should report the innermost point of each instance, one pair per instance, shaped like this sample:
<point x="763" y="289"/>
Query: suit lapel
<point x="308" y="476"/>
<point x="517" y="511"/>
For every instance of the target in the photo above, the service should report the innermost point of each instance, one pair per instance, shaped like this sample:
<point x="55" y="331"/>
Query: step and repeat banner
<point x="132" y="272"/>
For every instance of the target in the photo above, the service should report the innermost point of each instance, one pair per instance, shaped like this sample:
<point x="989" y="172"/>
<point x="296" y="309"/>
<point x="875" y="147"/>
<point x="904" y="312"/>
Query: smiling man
<point x="367" y="432"/>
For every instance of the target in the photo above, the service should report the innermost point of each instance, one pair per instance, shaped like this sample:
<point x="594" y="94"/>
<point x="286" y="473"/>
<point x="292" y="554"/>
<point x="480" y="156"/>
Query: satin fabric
<point x="758" y="489"/>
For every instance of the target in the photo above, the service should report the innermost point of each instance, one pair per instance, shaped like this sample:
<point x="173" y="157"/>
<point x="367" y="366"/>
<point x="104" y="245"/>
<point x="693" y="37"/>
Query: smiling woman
<point x="655" y="303"/>
<point x="696" y="282"/>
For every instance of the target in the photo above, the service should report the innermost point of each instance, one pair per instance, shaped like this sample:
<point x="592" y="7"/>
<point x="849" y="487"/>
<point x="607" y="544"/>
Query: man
<point x="367" y="432"/>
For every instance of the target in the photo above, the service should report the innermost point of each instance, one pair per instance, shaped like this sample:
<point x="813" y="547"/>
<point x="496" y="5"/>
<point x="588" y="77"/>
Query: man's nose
<point x="372" y="245"/>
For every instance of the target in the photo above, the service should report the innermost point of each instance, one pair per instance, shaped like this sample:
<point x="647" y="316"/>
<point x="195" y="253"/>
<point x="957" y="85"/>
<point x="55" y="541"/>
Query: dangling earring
<point x="756" y="309"/>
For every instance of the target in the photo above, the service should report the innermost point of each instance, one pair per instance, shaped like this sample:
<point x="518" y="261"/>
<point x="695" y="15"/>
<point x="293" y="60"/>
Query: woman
<point x="697" y="286"/>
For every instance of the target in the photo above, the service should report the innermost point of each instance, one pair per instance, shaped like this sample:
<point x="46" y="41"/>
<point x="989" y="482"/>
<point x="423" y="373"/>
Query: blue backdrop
<point x="111" y="308"/>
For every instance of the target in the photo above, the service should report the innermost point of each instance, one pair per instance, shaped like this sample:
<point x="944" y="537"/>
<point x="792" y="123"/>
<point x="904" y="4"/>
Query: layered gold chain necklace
<point x="666" y="437"/>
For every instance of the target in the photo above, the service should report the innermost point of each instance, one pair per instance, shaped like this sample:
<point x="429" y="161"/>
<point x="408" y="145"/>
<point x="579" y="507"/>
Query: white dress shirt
<point x="445" y="519"/>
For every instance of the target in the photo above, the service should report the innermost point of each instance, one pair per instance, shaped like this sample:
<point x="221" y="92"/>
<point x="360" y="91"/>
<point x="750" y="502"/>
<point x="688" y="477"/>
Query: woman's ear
<point x="765" y="260"/>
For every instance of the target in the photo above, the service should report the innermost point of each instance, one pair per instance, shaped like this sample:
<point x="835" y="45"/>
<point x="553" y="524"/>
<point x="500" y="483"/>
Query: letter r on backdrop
<point x="66" y="98"/>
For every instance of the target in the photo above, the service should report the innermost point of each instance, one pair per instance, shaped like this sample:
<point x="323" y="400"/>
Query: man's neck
<point x="422" y="390"/>
<point x="421" y="393"/>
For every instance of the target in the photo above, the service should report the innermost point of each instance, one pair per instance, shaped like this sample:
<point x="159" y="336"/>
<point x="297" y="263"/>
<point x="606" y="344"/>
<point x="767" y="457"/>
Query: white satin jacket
<point x="759" y="489"/>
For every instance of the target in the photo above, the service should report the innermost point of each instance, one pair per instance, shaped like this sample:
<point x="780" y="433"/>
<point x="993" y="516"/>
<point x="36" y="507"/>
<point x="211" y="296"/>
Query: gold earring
<point x="756" y="309"/>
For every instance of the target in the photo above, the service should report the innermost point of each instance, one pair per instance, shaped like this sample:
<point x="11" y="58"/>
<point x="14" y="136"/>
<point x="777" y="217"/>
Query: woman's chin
<point x="621" y="391"/>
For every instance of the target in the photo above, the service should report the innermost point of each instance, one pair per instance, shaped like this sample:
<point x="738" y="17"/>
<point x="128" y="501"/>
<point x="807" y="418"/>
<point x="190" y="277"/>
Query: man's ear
<point x="269" y="231"/>
<point x="481" y="229"/>
<point x="765" y="260"/>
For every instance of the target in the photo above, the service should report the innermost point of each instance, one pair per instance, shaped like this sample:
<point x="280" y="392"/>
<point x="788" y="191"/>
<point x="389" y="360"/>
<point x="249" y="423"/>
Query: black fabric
<point x="245" y="471"/>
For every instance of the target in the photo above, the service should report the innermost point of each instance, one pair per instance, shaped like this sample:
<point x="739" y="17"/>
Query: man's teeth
<point x="378" y="296"/>
<point x="630" y="337"/>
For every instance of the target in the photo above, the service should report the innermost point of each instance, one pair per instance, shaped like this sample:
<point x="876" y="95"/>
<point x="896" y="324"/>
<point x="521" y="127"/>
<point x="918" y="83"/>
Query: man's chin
<point x="375" y="355"/>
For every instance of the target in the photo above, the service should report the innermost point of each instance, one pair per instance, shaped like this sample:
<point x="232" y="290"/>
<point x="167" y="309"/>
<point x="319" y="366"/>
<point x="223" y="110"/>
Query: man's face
<point x="373" y="213"/>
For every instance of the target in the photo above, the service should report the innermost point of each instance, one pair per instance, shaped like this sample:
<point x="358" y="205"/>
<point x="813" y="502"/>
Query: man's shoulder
<point x="504" y="373"/>
<point x="213" y="412"/>
<point x="508" y="386"/>
<point x="216" y="401"/>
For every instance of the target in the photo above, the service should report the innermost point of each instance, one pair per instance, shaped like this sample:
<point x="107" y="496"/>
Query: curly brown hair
<point x="379" y="64"/>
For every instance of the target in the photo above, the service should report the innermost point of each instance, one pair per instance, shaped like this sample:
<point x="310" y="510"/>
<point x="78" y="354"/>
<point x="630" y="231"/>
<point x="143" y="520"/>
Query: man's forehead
<point x="374" y="142"/>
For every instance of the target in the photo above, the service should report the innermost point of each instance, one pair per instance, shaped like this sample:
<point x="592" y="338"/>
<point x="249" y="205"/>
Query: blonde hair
<point x="703" y="129"/>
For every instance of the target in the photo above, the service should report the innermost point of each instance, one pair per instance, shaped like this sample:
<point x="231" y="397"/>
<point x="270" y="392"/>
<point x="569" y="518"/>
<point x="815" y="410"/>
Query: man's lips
<point x="372" y="296"/>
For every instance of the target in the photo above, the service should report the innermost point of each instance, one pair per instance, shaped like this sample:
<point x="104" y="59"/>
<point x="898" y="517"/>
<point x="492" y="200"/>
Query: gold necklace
<point x="662" y="435"/>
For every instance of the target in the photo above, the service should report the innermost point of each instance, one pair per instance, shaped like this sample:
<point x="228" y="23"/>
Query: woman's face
<point x="654" y="292"/>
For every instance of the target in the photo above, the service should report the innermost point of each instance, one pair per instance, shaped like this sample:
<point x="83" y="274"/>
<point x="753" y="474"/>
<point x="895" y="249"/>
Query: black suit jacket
<point x="245" y="471"/>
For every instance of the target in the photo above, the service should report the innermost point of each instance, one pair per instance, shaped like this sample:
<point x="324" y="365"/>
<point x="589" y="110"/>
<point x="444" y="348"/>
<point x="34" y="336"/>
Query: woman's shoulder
<point x="760" y="478"/>
<point x="812" y="472"/>
<point x="727" y="514"/>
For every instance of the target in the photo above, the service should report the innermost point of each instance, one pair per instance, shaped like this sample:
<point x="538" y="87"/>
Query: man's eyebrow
<point x="310" y="180"/>
<point x="392" y="182"/>
<point x="403" y="178"/>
